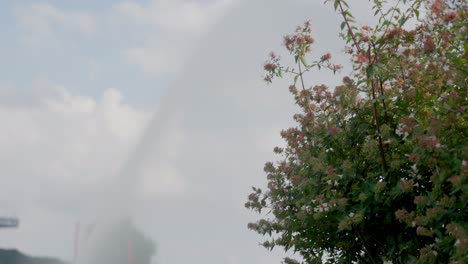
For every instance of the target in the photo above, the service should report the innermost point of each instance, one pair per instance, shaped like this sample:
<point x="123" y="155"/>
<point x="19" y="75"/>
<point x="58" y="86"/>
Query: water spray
<point x="77" y="243"/>
<point x="130" y="251"/>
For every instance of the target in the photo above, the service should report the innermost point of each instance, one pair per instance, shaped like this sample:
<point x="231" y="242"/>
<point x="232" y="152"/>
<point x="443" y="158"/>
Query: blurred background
<point x="131" y="131"/>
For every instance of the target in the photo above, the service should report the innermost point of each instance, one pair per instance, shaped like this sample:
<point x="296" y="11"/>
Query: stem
<point x="303" y="86"/>
<point x="402" y="72"/>
<point x="282" y="69"/>
<point x="300" y="76"/>
<point x="380" y="80"/>
<point x="377" y="124"/>
<point x="365" y="248"/>
<point x="383" y="99"/>
<point x="412" y="7"/>
<point x="350" y="30"/>
<point x="391" y="16"/>
<point x="376" y="112"/>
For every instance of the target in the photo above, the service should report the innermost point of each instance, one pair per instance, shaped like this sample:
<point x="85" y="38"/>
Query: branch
<point x="303" y="86"/>
<point x="374" y="97"/>
<point x="350" y="30"/>
<point x="383" y="99"/>
<point x="377" y="124"/>
<point x="391" y="16"/>
<point x="300" y="75"/>
<point x="376" y="116"/>
<point x="365" y="247"/>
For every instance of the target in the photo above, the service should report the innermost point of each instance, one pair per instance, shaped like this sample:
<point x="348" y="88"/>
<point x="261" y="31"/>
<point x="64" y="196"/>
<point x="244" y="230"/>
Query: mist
<point x="215" y="128"/>
<point x="183" y="183"/>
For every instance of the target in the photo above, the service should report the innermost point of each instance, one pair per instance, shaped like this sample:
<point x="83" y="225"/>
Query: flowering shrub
<point x="376" y="168"/>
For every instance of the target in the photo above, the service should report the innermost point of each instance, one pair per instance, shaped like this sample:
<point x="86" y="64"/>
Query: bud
<point x="309" y="39"/>
<point x="269" y="67"/>
<point x="326" y="56"/>
<point x="300" y="40"/>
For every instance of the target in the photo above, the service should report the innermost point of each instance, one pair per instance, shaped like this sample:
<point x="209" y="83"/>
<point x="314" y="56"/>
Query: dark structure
<point x="9" y="222"/>
<point x="13" y="256"/>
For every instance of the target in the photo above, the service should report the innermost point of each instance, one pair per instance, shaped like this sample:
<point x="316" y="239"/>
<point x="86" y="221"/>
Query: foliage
<point x="376" y="169"/>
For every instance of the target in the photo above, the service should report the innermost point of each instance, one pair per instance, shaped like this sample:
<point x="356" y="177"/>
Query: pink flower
<point x="295" y="180"/>
<point x="337" y="67"/>
<point x="450" y="17"/>
<point x="269" y="67"/>
<point x="436" y="7"/>
<point x="326" y="56"/>
<point x="429" y="45"/>
<point x="309" y="39"/>
<point x="289" y="42"/>
<point x="300" y="40"/>
<point x="300" y="136"/>
<point x="333" y="130"/>
<point x="361" y="58"/>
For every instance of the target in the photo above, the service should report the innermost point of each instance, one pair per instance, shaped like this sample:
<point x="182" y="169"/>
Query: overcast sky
<point x="152" y="108"/>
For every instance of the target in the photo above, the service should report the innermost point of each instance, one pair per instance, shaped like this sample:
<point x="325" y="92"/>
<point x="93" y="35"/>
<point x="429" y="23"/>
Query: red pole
<point x="130" y="251"/>
<point x="77" y="243"/>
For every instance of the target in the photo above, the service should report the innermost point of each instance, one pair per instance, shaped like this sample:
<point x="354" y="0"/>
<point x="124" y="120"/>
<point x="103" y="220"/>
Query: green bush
<point x="376" y="168"/>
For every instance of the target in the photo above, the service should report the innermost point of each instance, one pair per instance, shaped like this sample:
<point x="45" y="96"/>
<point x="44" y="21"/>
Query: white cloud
<point x="71" y="139"/>
<point x="40" y="20"/>
<point x="174" y="28"/>
<point x="69" y="105"/>
<point x="60" y="156"/>
<point x="68" y="140"/>
<point x="179" y="15"/>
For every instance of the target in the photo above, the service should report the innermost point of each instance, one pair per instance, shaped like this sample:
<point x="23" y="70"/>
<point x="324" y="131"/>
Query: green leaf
<point x="347" y="13"/>
<point x="361" y="81"/>
<point x="295" y="78"/>
<point x="402" y="20"/>
<point x="343" y="24"/>
<point x="303" y="60"/>
<point x="345" y="4"/>
<point x="370" y="71"/>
